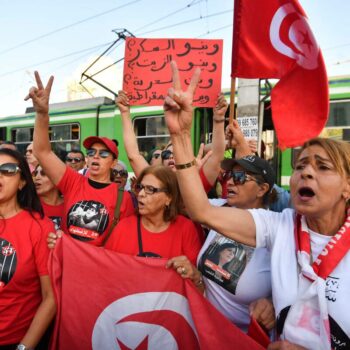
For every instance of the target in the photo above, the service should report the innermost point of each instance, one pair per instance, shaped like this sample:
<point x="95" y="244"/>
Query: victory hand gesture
<point x="40" y="95"/>
<point x="178" y="104"/>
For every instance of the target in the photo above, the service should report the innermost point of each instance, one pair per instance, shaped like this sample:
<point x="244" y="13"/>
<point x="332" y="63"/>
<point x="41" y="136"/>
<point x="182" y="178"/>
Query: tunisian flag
<point x="272" y="39"/>
<point x="109" y="301"/>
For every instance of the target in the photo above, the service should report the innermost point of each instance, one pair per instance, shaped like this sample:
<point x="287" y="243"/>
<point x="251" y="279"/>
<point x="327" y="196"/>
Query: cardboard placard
<point x="147" y="72"/>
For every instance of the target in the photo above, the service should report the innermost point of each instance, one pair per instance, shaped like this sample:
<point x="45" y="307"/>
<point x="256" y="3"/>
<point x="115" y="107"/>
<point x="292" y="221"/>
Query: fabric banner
<point x="272" y="39"/>
<point x="108" y="301"/>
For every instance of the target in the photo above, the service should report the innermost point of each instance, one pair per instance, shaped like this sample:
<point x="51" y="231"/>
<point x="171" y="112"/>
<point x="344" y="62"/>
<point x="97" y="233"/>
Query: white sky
<point x="66" y="52"/>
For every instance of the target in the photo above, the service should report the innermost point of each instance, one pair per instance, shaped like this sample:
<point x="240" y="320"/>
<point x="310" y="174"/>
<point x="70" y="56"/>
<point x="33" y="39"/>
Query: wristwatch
<point x="22" y="347"/>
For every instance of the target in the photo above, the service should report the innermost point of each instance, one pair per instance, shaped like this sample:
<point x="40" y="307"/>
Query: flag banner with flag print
<point x="272" y="39"/>
<point x="107" y="300"/>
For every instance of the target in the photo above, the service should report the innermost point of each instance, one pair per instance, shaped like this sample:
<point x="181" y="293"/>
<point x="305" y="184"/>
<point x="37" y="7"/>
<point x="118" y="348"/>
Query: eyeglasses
<point x="121" y="173"/>
<point x="9" y="169"/>
<point x="238" y="177"/>
<point x="73" y="160"/>
<point x="36" y="172"/>
<point x="149" y="189"/>
<point x="103" y="153"/>
<point x="155" y="155"/>
<point x="29" y="151"/>
<point x="166" y="154"/>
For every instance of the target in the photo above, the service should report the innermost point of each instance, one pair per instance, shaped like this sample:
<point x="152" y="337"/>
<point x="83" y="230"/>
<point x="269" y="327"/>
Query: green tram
<point x="72" y="122"/>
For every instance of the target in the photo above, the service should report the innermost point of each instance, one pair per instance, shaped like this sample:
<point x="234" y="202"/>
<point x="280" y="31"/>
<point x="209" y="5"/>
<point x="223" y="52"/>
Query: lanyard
<point x="332" y="253"/>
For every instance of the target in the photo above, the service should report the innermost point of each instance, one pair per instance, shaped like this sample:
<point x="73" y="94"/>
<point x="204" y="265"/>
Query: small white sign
<point x="249" y="127"/>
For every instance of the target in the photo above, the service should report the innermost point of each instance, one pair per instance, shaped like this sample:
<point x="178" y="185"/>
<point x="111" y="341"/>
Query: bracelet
<point x="186" y="165"/>
<point x="219" y="121"/>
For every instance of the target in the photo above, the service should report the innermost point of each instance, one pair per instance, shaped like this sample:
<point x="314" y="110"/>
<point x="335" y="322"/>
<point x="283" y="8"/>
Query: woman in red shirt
<point x="158" y="230"/>
<point x="27" y="303"/>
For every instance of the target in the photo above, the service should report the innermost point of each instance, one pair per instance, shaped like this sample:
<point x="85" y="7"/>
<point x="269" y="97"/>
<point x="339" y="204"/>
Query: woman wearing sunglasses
<point x="158" y="229"/>
<point x="50" y="197"/>
<point x="235" y="275"/>
<point x="310" y="256"/>
<point x="27" y="303"/>
<point x="80" y="193"/>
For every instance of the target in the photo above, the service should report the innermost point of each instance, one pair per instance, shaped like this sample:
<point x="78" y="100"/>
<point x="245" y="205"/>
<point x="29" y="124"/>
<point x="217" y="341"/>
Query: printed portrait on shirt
<point x="8" y="262"/>
<point x="87" y="220"/>
<point x="224" y="262"/>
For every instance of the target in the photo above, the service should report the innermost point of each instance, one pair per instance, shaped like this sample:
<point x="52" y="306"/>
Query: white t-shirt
<point x="276" y="232"/>
<point x="242" y="280"/>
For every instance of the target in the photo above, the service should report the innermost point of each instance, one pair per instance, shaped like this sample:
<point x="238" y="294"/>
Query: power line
<point x="66" y="27"/>
<point x="53" y="59"/>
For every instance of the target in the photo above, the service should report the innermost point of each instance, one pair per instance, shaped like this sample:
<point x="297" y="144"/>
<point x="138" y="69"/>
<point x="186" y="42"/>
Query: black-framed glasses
<point x="103" y="153"/>
<point x="73" y="160"/>
<point x="238" y="177"/>
<point x="121" y="173"/>
<point x="149" y="189"/>
<point x="36" y="172"/>
<point x="155" y="155"/>
<point x="9" y="169"/>
<point x="166" y="154"/>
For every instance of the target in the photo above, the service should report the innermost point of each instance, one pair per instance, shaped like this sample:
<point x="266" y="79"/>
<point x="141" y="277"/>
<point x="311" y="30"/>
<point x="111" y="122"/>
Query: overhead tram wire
<point x="187" y="21"/>
<point x="194" y="2"/>
<point x="215" y="30"/>
<point x="66" y="27"/>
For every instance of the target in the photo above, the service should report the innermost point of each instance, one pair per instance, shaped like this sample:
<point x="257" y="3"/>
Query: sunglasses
<point x="9" y="169"/>
<point x="149" y="189"/>
<point x="73" y="160"/>
<point x="166" y="154"/>
<point x="29" y="151"/>
<point x="238" y="177"/>
<point x="103" y="153"/>
<point x="36" y="172"/>
<point x="121" y="173"/>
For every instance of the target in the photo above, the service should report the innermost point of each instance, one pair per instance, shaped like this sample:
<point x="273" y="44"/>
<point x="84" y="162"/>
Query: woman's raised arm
<point x="235" y="223"/>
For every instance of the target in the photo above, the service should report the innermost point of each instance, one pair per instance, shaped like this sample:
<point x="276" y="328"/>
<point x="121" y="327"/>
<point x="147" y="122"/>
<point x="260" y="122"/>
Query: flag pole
<point x="232" y="100"/>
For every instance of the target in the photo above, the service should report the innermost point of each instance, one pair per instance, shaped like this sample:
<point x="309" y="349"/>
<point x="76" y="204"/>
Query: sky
<point x="61" y="38"/>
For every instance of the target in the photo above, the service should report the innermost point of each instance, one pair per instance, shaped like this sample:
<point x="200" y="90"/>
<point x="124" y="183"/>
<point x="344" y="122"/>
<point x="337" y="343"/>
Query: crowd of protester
<point x="252" y="252"/>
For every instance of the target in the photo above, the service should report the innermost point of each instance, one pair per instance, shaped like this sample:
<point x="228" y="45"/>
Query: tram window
<point x="63" y="137"/>
<point x="151" y="132"/>
<point x="339" y="114"/>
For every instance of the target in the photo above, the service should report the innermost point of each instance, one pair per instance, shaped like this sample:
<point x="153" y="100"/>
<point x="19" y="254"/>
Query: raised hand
<point x="40" y="95"/>
<point x="122" y="101"/>
<point x="220" y="109"/>
<point x="178" y="107"/>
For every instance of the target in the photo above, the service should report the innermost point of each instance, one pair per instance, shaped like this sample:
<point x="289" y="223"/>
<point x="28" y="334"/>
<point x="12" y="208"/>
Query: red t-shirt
<point x="88" y="211"/>
<point x="23" y="259"/>
<point x="54" y="213"/>
<point x="180" y="238"/>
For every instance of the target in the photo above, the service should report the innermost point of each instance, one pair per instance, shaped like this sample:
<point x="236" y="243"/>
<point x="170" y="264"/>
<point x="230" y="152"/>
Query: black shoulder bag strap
<point x="116" y="214"/>
<point x="139" y="235"/>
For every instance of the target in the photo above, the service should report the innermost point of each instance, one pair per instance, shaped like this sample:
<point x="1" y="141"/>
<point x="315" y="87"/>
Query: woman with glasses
<point x="50" y="197"/>
<point x="79" y="191"/>
<point x="310" y="246"/>
<point x="158" y="229"/>
<point x="234" y="275"/>
<point x="27" y="303"/>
